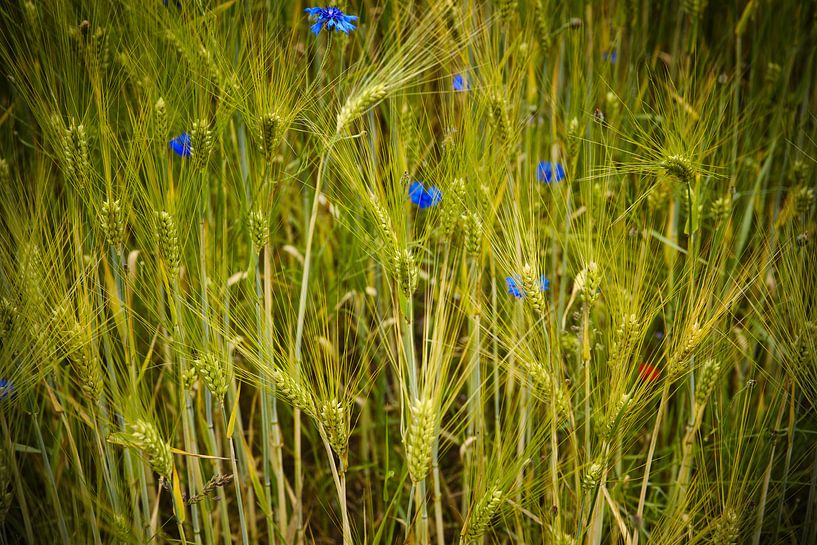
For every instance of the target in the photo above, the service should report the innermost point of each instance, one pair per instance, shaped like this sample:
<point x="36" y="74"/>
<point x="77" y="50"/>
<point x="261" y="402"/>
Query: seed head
<point x="270" y="135"/>
<point x="291" y="391"/>
<point x="144" y="436"/>
<point x="694" y="8"/>
<point x="452" y="207"/>
<point x="726" y="530"/>
<point x="541" y="18"/>
<point x="357" y="104"/>
<point x="800" y="348"/>
<point x="500" y="118"/>
<point x="259" y="230"/>
<point x="160" y="110"/>
<point x="201" y="143"/>
<point x="618" y="415"/>
<point x="216" y="481"/>
<point x="679" y="167"/>
<point x="473" y="234"/>
<point x="772" y="75"/>
<point x="533" y="289"/>
<point x="587" y="283"/>
<point x="707" y="378"/>
<point x="408" y="132"/>
<point x="334" y="418"/>
<point x="214" y="372"/>
<point x="419" y="438"/>
<point x="799" y="173"/>
<point x="625" y="339"/>
<point x="384" y="225"/>
<point x="77" y="346"/>
<point x="76" y="161"/>
<point x="168" y="241"/>
<point x="482" y="516"/>
<point x="721" y="208"/>
<point x="505" y="9"/>
<point x="32" y="17"/>
<point x="98" y="51"/>
<point x="693" y="339"/>
<point x="405" y="270"/>
<point x="112" y="221"/>
<point x="547" y="386"/>
<point x="592" y="476"/>
<point x="557" y="537"/>
<point x="5" y="173"/>
<point x="804" y="199"/>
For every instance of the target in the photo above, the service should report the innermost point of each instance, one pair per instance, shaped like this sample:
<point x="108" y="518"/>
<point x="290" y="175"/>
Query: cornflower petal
<point x="181" y="145"/>
<point x="548" y="172"/>
<point x="422" y="197"/>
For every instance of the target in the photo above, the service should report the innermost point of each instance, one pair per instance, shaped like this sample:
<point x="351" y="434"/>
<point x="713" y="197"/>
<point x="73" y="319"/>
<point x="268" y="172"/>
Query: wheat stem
<point x="642" y="497"/>
<point x="21" y="498"/>
<point x="299" y="333"/>
<point x="49" y="479"/>
<point x="236" y="481"/>
<point x="340" y="487"/>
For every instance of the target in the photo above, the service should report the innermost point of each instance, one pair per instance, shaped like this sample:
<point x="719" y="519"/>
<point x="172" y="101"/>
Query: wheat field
<point x="422" y="272"/>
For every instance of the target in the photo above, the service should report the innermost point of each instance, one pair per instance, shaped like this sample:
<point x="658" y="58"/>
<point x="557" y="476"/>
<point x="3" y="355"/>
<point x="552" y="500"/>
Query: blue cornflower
<point x="6" y="388"/>
<point x="460" y="84"/>
<point x="548" y="172"/>
<point x="181" y="145"/>
<point x="611" y="56"/>
<point x="422" y="197"/>
<point x="331" y="18"/>
<point x="514" y="284"/>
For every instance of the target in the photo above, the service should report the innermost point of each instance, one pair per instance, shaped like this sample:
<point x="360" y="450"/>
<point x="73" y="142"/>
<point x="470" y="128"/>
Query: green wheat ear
<point x="214" y="372"/>
<point x="161" y="123"/>
<point x="484" y="512"/>
<point x="726" y="528"/>
<point x="5" y="173"/>
<point x="259" y="230"/>
<point x="144" y="436"/>
<point x="271" y="132"/>
<point x="112" y="221"/>
<point x="707" y="379"/>
<point x="201" y="143"/>
<point x="473" y="233"/>
<point x="419" y="438"/>
<point x="167" y="240"/>
<point x="334" y="419"/>
<point x="405" y="271"/>
<point x="357" y="104"/>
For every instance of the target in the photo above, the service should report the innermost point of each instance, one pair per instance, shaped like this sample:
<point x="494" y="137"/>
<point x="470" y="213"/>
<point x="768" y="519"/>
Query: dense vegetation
<point x="408" y="272"/>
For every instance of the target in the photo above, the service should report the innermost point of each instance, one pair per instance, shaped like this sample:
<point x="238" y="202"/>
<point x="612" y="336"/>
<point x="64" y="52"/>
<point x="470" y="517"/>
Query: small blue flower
<point x="460" y="84"/>
<point x="330" y="19"/>
<point x="181" y="145"/>
<point x="514" y="287"/>
<point x="176" y="3"/>
<point x="422" y="197"/>
<point x="514" y="284"/>
<point x="6" y="388"/>
<point x="548" y="172"/>
<point x="611" y="56"/>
